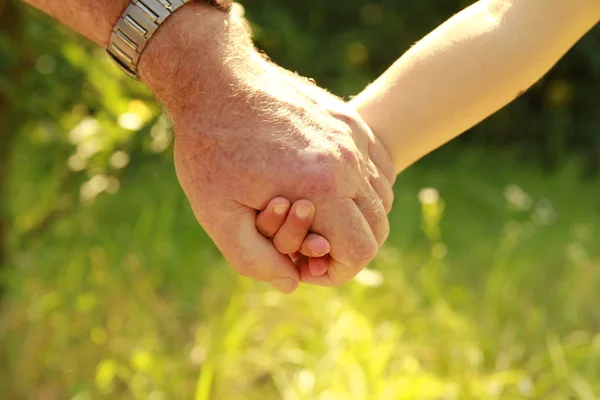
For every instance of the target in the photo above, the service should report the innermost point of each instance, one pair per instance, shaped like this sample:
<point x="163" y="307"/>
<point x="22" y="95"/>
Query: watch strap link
<point x="140" y="20"/>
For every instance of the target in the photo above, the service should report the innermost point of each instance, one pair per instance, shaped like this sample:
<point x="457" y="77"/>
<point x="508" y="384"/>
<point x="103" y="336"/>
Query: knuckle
<point x="364" y="254"/>
<point x="380" y="157"/>
<point x="320" y="179"/>
<point x="389" y="202"/>
<point x="389" y="172"/>
<point x="378" y="220"/>
<point x="285" y="246"/>
<point x="349" y="155"/>
<point x="384" y="232"/>
<point x="384" y="190"/>
<point x="298" y="228"/>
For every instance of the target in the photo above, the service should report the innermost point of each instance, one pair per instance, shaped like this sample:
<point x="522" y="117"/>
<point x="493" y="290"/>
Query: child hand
<point x="288" y="226"/>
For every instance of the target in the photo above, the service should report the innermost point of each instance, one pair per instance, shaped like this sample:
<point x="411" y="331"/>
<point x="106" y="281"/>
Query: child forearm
<point x="468" y="68"/>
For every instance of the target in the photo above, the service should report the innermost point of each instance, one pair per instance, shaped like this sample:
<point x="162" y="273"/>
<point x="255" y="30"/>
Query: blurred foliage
<point x="128" y="299"/>
<point x="487" y="288"/>
<point x="344" y="47"/>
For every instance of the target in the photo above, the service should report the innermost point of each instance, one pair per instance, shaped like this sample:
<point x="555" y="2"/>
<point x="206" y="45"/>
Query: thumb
<point x="254" y="256"/>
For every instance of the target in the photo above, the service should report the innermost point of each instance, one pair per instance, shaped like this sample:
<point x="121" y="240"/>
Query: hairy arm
<point x="247" y="131"/>
<point x="170" y="61"/>
<point x="467" y="69"/>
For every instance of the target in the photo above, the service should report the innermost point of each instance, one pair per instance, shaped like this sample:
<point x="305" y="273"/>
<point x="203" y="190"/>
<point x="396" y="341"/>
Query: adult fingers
<point x="374" y="212"/>
<point x="383" y="188"/>
<point x="380" y="156"/>
<point x="251" y="254"/>
<point x="353" y="244"/>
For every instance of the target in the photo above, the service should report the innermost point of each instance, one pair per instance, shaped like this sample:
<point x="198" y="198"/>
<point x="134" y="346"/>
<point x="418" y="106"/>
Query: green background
<point x="111" y="290"/>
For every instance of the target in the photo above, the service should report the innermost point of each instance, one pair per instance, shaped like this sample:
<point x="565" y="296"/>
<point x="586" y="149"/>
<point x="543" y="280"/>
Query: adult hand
<point x="247" y="131"/>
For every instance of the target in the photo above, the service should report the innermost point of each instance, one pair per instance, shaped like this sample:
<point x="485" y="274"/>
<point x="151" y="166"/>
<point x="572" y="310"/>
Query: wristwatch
<point x="140" y="20"/>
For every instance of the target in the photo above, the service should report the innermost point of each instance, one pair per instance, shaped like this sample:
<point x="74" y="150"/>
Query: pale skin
<point x="467" y="69"/>
<point x="247" y="131"/>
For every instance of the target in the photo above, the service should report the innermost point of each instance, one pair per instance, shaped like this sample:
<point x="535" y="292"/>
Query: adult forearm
<point x="195" y="60"/>
<point x="468" y="68"/>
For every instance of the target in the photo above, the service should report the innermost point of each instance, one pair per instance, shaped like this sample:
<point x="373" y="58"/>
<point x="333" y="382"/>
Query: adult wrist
<point x="195" y="52"/>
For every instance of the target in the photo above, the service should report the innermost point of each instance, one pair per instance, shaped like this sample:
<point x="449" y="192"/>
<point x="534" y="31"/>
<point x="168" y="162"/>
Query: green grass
<point x="473" y="297"/>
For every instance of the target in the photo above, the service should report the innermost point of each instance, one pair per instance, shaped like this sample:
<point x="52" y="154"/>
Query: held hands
<point x="247" y="131"/>
<point x="289" y="227"/>
<point x="304" y="144"/>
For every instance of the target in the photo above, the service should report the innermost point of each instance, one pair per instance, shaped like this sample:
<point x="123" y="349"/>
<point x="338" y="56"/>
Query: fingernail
<point x="318" y="246"/>
<point x="285" y="285"/>
<point x="280" y="209"/>
<point x="303" y="211"/>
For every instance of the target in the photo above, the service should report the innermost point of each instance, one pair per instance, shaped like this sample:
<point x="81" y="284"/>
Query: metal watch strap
<point x="137" y="24"/>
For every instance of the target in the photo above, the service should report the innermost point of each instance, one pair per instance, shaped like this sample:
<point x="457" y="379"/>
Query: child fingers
<point x="318" y="265"/>
<point x="270" y="220"/>
<point x="315" y="245"/>
<point x="290" y="236"/>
